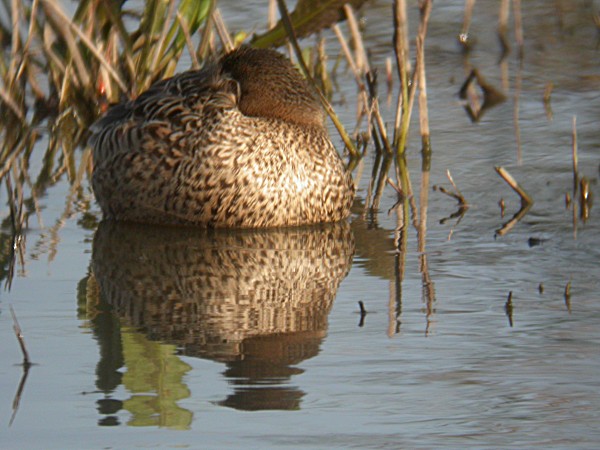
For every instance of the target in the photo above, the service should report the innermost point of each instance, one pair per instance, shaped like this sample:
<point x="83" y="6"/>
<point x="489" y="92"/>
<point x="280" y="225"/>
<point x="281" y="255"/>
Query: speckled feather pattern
<point x="185" y="153"/>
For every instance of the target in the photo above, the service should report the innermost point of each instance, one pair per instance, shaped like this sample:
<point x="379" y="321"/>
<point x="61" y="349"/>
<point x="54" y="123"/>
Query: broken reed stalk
<point x="526" y="202"/>
<point x="363" y="313"/>
<point x="397" y="188"/>
<point x="289" y="28"/>
<point x="456" y="194"/>
<point x="508" y="308"/>
<point x="363" y="310"/>
<point x="19" y="334"/>
<point x="526" y="199"/>
<point x="461" y="198"/>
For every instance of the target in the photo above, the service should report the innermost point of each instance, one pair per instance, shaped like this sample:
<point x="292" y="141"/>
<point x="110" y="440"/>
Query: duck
<point x="240" y="143"/>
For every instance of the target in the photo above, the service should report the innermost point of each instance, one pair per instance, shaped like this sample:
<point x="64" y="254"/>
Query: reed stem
<point x="525" y="197"/>
<point x="287" y="23"/>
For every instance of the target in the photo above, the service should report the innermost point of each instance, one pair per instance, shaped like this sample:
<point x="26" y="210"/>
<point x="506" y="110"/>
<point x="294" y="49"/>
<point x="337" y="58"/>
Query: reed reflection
<point x="256" y="300"/>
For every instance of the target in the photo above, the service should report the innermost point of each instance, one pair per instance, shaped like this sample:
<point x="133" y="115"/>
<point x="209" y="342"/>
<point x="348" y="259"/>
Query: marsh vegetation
<point x="471" y="130"/>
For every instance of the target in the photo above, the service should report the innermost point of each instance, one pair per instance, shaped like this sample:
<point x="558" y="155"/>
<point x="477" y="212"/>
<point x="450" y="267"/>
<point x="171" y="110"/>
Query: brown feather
<point x="240" y="143"/>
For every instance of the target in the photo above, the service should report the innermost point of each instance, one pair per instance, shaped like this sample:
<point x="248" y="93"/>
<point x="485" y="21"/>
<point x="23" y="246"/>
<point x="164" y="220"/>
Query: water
<point x="152" y="338"/>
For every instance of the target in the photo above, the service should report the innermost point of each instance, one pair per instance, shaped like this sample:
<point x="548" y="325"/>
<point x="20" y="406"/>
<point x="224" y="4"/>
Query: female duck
<point x="241" y="143"/>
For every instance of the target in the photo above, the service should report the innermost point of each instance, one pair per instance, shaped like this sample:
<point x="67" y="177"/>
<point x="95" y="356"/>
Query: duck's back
<point x="184" y="153"/>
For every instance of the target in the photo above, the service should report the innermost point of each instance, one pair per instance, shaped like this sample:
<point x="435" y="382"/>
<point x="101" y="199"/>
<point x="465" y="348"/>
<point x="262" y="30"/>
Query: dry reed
<point x="287" y="23"/>
<point x="506" y="176"/>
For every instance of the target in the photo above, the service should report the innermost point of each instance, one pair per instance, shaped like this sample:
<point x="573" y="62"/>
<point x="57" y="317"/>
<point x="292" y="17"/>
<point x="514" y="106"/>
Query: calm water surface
<point x="153" y="338"/>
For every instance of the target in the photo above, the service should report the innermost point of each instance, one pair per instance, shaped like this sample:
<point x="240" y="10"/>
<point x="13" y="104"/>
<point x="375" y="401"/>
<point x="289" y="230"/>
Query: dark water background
<point x="147" y="338"/>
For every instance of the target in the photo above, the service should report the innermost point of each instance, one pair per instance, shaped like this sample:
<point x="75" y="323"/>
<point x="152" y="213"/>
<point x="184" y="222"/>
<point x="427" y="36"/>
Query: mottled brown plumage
<point x="241" y="143"/>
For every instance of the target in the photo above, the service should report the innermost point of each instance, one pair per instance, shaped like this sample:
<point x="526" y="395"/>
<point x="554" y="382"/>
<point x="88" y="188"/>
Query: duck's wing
<point x="168" y="100"/>
<point x="139" y="146"/>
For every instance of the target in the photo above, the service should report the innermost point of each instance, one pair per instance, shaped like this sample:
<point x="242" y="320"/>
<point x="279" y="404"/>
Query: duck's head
<point x="271" y="87"/>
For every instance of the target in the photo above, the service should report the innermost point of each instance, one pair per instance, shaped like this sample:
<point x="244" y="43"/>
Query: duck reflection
<point x="256" y="300"/>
